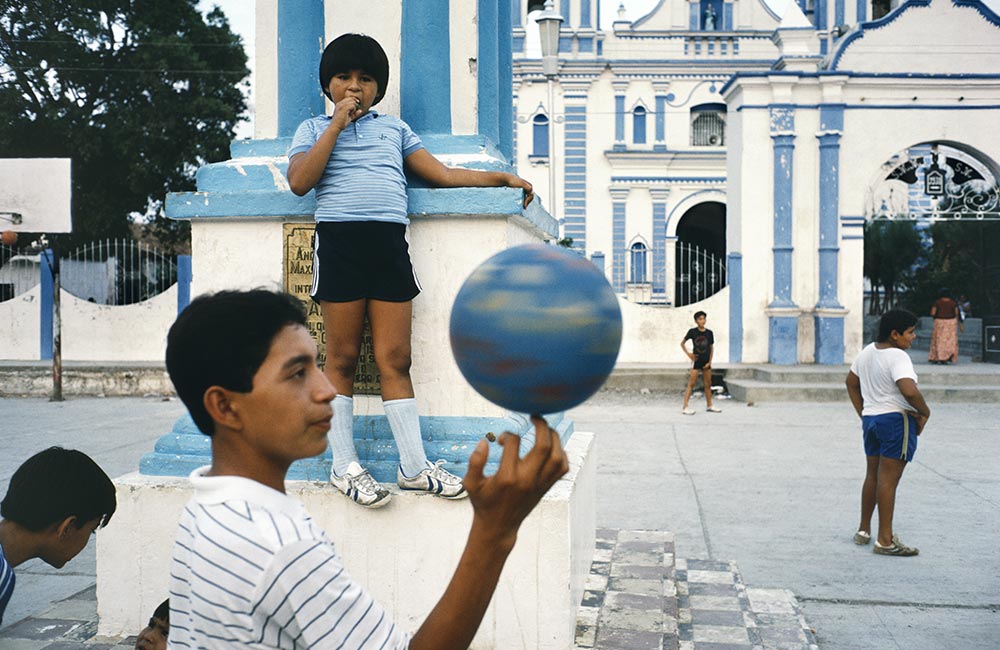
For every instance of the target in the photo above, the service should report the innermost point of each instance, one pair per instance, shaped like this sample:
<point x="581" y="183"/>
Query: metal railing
<point x="700" y="274"/>
<point x="107" y="272"/>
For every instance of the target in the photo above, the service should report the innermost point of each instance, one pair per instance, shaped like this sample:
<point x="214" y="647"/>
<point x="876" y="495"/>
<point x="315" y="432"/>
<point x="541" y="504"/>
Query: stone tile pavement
<point x="638" y="597"/>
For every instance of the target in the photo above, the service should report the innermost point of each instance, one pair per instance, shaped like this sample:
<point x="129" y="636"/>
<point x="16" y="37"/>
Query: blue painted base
<point x="452" y="438"/>
<point x="783" y="341"/>
<point x="830" y="340"/>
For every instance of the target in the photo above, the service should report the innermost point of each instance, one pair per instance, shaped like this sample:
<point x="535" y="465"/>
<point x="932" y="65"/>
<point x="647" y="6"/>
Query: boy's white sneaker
<point x="361" y="486"/>
<point x="714" y="409"/>
<point x="434" y="479"/>
<point x="688" y="411"/>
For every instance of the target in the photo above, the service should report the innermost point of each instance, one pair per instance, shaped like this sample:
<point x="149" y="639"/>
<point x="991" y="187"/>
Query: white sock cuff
<point x="399" y="402"/>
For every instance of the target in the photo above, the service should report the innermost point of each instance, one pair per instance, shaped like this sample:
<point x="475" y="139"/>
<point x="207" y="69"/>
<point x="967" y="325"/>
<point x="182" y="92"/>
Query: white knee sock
<point x="405" y="425"/>
<point x="341" y="434"/>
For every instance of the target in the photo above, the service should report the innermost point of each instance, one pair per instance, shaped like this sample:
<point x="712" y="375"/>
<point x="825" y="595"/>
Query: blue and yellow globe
<point x="536" y="329"/>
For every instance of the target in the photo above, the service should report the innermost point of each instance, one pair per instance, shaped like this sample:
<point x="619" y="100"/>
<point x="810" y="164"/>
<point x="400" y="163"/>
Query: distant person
<point x="250" y="567"/>
<point x="355" y="160"/>
<point x="944" y="336"/>
<point x="154" y="635"/>
<point x="964" y="309"/>
<point x="55" y="501"/>
<point x="882" y="385"/>
<point x="702" y="350"/>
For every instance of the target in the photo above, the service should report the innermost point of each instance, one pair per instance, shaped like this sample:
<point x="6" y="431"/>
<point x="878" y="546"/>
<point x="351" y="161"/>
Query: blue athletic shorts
<point x="893" y="435"/>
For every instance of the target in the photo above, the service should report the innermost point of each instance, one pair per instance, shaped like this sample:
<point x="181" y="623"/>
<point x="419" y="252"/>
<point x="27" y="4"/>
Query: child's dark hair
<point x="697" y="314"/>
<point x="162" y="612"/>
<point x="354" y="52"/>
<point x="221" y="340"/>
<point x="56" y="484"/>
<point x="898" y="320"/>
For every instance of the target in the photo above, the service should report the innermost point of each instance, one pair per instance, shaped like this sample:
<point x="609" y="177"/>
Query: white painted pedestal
<point x="404" y="553"/>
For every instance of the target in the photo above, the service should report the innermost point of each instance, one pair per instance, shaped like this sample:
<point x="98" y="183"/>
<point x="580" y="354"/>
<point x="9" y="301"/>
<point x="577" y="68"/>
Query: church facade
<point x="714" y="153"/>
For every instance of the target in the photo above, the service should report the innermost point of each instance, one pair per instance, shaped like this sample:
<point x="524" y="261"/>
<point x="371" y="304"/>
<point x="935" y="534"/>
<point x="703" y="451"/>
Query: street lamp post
<point x="549" y="23"/>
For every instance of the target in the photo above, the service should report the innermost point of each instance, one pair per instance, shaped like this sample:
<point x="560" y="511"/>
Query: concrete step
<point x="751" y="390"/>
<point x="639" y="595"/>
<point x="85" y="378"/>
<point x="952" y="375"/>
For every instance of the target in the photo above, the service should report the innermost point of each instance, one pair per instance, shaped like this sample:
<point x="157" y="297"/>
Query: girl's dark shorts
<point x="700" y="362"/>
<point x="362" y="259"/>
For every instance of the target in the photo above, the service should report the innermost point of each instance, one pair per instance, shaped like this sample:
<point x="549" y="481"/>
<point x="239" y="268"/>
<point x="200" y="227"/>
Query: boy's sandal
<point x="861" y="538"/>
<point x="897" y="549"/>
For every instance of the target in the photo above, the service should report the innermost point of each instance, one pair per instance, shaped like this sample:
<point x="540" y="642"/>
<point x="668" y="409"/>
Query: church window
<point x="638" y="253"/>
<point x="708" y="125"/>
<point x="639" y="125"/>
<point x="540" y="136"/>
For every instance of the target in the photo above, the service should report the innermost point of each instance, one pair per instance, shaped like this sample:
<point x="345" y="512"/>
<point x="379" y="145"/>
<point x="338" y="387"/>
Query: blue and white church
<point x="713" y="155"/>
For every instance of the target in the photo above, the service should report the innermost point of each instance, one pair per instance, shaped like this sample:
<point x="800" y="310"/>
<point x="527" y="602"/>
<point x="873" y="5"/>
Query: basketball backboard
<point x="35" y="195"/>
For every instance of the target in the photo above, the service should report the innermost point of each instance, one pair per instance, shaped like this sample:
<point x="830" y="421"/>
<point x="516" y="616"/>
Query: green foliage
<point x="137" y="94"/>
<point x="892" y="251"/>
<point x="963" y="259"/>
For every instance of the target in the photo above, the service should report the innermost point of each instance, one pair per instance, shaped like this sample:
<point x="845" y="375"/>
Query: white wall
<point x="20" y="325"/>
<point x="652" y="334"/>
<point x="137" y="332"/>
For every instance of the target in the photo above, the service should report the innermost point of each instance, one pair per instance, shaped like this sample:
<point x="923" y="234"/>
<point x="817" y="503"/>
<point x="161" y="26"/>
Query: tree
<point x="139" y="94"/>
<point x="892" y="252"/>
<point x="963" y="260"/>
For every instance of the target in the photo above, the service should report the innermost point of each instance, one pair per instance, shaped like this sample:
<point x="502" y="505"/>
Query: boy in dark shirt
<point x="703" y="347"/>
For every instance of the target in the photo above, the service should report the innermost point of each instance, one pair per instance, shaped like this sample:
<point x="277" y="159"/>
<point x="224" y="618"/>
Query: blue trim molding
<point x="619" y="118"/>
<point x="453" y="438"/>
<point x="425" y="77"/>
<point x="734" y="275"/>
<point x="659" y="243"/>
<point x="783" y="145"/>
<point x="183" y="282"/>
<point x="783" y="340"/>
<point x="46" y="300"/>
<point x="830" y="338"/>
<point x="575" y="172"/>
<point x="618" y="198"/>
<point x="487" y="69"/>
<point x="300" y="28"/>
<point x="505" y="82"/>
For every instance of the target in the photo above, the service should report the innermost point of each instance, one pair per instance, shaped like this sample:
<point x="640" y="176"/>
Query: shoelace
<point x="367" y="482"/>
<point x="441" y="473"/>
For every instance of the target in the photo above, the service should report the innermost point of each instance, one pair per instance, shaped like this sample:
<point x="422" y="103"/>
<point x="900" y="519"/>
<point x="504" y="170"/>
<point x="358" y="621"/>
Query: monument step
<point x="749" y="390"/>
<point x="638" y="595"/>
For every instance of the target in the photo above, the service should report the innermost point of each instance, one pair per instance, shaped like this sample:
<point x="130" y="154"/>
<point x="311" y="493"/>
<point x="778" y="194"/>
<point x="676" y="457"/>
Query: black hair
<point x="162" y="611"/>
<point x="56" y="484"/>
<point x="895" y="320"/>
<point x="700" y="313"/>
<point x="354" y="52"/>
<point x="222" y="339"/>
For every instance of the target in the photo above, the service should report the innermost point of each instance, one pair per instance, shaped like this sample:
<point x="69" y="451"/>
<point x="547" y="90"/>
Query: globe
<point x="536" y="329"/>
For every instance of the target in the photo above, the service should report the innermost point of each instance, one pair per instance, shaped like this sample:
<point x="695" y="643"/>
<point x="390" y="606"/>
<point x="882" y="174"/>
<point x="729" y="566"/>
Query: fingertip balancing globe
<point x="536" y="329"/>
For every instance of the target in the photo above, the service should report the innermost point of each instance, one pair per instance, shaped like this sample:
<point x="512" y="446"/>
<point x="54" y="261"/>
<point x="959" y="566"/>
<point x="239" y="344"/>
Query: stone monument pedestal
<point x="405" y="553"/>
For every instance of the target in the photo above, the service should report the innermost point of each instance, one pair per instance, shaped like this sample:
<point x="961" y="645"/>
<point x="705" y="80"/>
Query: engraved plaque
<point x="298" y="238"/>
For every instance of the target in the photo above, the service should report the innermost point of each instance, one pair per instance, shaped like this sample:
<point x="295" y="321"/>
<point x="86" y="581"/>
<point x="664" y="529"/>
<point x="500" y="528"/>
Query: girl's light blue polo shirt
<point x="364" y="179"/>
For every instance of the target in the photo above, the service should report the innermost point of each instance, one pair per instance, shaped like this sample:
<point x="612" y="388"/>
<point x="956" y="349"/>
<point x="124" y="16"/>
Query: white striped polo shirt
<point x="363" y="179"/>
<point x="252" y="570"/>
<point x="7" y="580"/>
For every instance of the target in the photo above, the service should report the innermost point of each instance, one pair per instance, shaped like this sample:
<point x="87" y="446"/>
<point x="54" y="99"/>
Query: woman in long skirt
<point x="944" y="336"/>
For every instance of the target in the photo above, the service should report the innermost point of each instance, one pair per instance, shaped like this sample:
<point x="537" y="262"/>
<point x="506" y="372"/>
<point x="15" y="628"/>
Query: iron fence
<point x="106" y="272"/>
<point x="700" y="274"/>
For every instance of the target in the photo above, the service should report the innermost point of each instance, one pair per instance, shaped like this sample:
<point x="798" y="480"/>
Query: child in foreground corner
<point x="355" y="160"/>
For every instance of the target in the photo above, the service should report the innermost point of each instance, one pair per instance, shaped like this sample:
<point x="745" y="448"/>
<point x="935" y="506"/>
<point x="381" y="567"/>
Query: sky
<point x="241" y="20"/>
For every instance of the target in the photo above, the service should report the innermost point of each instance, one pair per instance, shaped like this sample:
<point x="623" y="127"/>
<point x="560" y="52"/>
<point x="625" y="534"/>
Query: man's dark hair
<point x="162" y="612"/>
<point x="700" y="313"/>
<point x="898" y="320"/>
<point x="354" y="52"/>
<point x="56" y="484"/>
<point x="221" y="340"/>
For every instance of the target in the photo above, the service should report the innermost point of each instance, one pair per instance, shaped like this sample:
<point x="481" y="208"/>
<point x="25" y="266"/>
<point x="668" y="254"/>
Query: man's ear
<point x="219" y="403"/>
<point x="63" y="527"/>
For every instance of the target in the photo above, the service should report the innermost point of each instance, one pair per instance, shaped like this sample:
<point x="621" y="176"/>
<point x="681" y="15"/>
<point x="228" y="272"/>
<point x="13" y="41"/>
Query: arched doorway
<point x="700" y="253"/>
<point x="933" y="224"/>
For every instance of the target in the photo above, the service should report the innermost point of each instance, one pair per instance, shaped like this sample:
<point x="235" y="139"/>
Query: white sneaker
<point x="359" y="485"/>
<point x="714" y="409"/>
<point x="688" y="411"/>
<point x="434" y="479"/>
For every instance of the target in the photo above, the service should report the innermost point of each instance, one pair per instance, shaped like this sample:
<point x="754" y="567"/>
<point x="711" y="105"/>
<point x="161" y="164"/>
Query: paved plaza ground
<point x="773" y="487"/>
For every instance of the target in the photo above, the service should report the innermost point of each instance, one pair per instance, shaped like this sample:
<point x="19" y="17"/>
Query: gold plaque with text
<point x="298" y="238"/>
